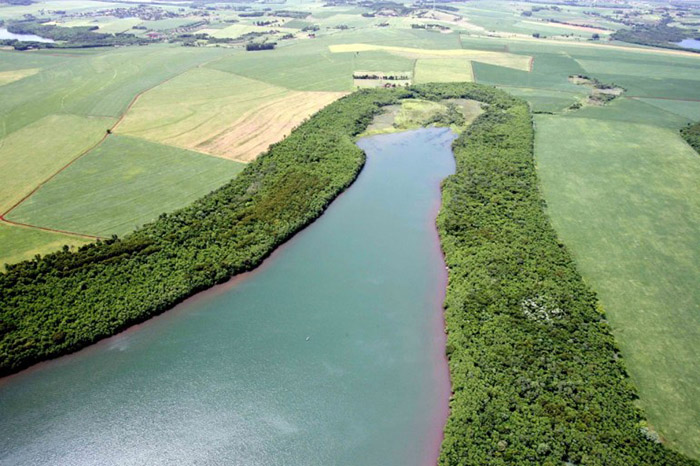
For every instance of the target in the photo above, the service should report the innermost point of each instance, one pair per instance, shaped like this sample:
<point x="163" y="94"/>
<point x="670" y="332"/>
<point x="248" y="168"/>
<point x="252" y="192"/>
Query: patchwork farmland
<point x="98" y="141"/>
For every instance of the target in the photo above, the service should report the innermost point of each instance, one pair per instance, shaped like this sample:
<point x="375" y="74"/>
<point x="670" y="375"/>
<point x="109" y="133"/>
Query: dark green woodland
<point x="536" y="375"/>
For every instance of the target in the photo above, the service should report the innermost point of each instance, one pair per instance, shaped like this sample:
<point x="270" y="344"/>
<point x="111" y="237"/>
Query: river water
<point x="331" y="353"/>
<point x="5" y="34"/>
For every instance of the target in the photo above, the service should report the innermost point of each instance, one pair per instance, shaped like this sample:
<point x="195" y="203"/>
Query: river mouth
<point x="7" y="35"/>
<point x="333" y="352"/>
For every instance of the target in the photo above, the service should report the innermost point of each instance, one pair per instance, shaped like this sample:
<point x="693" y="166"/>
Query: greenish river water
<point x="331" y="353"/>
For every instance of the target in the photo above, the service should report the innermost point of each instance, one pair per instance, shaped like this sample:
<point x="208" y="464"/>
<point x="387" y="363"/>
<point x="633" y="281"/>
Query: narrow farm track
<point x="52" y="230"/>
<point x="3" y="215"/>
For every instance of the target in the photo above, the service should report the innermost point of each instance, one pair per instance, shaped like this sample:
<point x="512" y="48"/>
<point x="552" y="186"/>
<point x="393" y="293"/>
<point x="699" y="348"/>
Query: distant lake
<point x="690" y="44"/>
<point x="5" y="34"/>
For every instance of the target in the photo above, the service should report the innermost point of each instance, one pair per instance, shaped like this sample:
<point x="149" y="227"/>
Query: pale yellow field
<point x="32" y="154"/>
<point x="509" y="60"/>
<point x="443" y="70"/>
<point x="7" y="77"/>
<point x="253" y="132"/>
<point x="220" y="113"/>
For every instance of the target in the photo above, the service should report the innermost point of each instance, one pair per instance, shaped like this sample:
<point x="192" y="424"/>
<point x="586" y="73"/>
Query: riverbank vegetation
<point x="536" y="375"/>
<point x="64" y="301"/>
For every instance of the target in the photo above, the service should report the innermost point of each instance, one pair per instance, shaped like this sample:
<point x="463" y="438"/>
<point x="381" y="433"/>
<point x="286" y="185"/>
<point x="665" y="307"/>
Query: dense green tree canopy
<point x="536" y="375"/>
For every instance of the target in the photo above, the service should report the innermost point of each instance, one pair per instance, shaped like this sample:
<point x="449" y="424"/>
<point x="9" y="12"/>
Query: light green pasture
<point x="625" y="198"/>
<point x="122" y="184"/>
<point x="18" y="244"/>
<point x="35" y="152"/>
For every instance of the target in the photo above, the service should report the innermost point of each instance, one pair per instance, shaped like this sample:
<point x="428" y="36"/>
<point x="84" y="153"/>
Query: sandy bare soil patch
<point x="251" y="134"/>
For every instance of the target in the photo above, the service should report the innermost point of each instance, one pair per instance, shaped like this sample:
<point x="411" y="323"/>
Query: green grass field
<point x="195" y="106"/>
<point x="442" y="70"/>
<point x="94" y="84"/>
<point x="220" y="113"/>
<point x="621" y="184"/>
<point x="34" y="153"/>
<point x="625" y="198"/>
<point x="18" y="243"/>
<point x="122" y="184"/>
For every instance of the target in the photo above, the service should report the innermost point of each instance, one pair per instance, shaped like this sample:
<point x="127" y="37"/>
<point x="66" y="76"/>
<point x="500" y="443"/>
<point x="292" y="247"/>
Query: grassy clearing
<point x="122" y="184"/>
<point x="18" y="243"/>
<point x="497" y="58"/>
<point x="443" y="70"/>
<point x="220" y="113"/>
<point x="34" y="153"/>
<point x="625" y="198"/>
<point x="7" y="77"/>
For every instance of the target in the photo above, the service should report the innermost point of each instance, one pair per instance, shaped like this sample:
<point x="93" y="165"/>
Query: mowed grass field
<point x="220" y="113"/>
<point x="625" y="198"/>
<point x="122" y="184"/>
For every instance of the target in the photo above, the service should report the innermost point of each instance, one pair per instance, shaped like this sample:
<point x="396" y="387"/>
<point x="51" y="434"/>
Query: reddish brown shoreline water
<point x="331" y="352"/>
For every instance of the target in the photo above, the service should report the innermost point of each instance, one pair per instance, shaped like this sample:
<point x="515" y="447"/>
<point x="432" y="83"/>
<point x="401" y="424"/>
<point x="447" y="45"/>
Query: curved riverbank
<point x="65" y="301"/>
<point x="331" y="352"/>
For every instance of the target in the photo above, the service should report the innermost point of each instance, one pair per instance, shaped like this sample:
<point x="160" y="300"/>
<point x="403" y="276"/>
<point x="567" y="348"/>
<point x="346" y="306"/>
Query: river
<point x="5" y="34"/>
<point x="330" y="353"/>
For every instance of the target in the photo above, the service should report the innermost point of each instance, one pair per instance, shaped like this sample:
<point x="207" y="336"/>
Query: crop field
<point x="26" y="160"/>
<point x="18" y="243"/>
<point x="7" y="77"/>
<point x="685" y="109"/>
<point x="625" y="198"/>
<point x="308" y="69"/>
<point x="443" y="70"/>
<point x="212" y="111"/>
<point x="122" y="184"/>
<point x="498" y="58"/>
<point x="545" y="100"/>
<point x="255" y="130"/>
